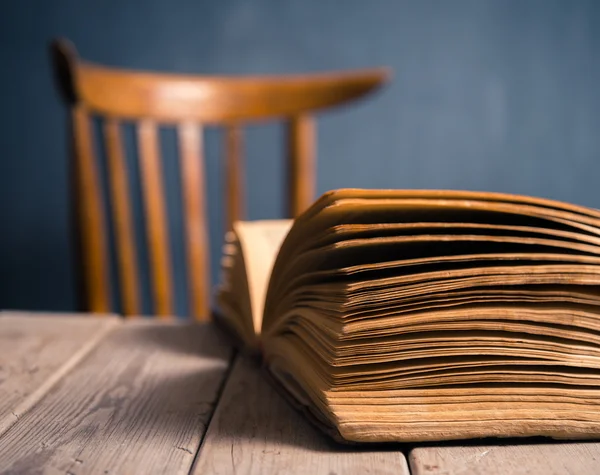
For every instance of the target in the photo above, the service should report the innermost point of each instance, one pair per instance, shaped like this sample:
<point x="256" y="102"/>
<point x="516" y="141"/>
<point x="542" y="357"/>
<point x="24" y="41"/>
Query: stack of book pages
<point x="404" y="315"/>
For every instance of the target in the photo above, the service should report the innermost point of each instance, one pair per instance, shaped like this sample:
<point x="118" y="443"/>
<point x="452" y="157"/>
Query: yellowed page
<point x="260" y="241"/>
<point x="427" y="316"/>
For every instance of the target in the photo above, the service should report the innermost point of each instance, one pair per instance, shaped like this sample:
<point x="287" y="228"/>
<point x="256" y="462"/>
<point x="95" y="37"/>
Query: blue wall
<point x="488" y="95"/>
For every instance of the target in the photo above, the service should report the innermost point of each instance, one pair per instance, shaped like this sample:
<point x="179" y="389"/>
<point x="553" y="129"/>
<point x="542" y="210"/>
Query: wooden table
<point x="84" y="395"/>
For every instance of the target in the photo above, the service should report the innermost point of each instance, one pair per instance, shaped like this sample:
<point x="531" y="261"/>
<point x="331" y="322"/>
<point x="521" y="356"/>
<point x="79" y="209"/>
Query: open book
<point x="425" y="315"/>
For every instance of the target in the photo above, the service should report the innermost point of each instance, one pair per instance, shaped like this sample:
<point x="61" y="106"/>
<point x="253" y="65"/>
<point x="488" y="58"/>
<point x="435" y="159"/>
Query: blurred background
<point x="498" y="95"/>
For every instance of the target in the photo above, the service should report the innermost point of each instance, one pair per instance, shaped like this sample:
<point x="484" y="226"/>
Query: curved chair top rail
<point x="208" y="99"/>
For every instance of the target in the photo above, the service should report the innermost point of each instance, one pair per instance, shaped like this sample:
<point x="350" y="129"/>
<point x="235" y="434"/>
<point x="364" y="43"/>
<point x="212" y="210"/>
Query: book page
<point x="260" y="241"/>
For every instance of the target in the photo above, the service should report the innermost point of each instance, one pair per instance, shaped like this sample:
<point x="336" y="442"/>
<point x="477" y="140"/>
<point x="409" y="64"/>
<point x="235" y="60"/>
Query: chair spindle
<point x="234" y="166"/>
<point x="156" y="217"/>
<point x="301" y="165"/>
<point x="196" y="223"/>
<point x="121" y="204"/>
<point x="91" y="215"/>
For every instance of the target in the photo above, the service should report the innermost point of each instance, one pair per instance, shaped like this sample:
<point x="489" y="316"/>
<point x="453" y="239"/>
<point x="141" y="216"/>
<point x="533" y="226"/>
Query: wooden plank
<point x="255" y="431"/>
<point x="532" y="459"/>
<point x="138" y="404"/>
<point x="36" y="351"/>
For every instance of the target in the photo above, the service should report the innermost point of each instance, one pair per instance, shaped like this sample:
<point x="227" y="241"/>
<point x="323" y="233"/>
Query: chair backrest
<point x="186" y="102"/>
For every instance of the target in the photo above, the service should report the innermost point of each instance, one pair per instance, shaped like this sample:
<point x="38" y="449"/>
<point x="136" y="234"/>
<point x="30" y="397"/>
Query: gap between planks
<point x="138" y="404"/>
<point x="255" y="431"/>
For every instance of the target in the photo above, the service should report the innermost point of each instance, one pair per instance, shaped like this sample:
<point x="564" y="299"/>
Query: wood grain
<point x="532" y="459"/>
<point x="156" y="218"/>
<point x="36" y="351"/>
<point x="138" y="404"/>
<point x="255" y="431"/>
<point x="196" y="222"/>
<point x="121" y="204"/>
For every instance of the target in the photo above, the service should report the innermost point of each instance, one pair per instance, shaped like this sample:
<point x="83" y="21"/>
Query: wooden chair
<point x="188" y="103"/>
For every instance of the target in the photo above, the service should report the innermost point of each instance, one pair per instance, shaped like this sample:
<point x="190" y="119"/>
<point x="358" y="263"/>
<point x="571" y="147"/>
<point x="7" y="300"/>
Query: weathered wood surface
<point x="254" y="430"/>
<point x="36" y="351"/>
<point x="532" y="459"/>
<point x="88" y="395"/>
<point x="139" y="403"/>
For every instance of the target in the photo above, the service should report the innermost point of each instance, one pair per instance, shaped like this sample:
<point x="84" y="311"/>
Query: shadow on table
<point x="201" y="339"/>
<point x="251" y="409"/>
<point x="145" y="391"/>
